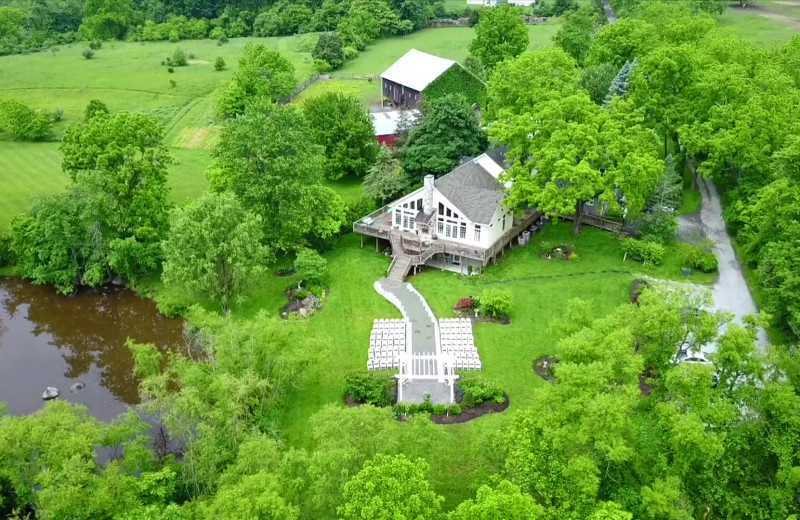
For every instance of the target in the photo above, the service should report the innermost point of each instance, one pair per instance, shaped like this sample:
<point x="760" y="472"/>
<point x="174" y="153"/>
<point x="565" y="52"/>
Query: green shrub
<point x="56" y="115"/>
<point x="495" y="302"/>
<point x="310" y="265"/>
<point x="648" y="252"/>
<point x="322" y="66"/>
<point x="699" y="258"/>
<point x="95" y="107"/>
<point x="95" y="44"/>
<point x="219" y="64"/>
<point x="658" y="226"/>
<point x="171" y="308"/>
<point x="413" y="408"/>
<point x="174" y="36"/>
<point x="178" y="58"/>
<point x="6" y="254"/>
<point x="23" y="122"/>
<point x="439" y="409"/>
<point x="478" y="390"/>
<point x="369" y="387"/>
<point x="88" y="53"/>
<point x="329" y="49"/>
<point x="350" y="53"/>
<point x="302" y="294"/>
<point x="400" y="410"/>
<point x="454" y="409"/>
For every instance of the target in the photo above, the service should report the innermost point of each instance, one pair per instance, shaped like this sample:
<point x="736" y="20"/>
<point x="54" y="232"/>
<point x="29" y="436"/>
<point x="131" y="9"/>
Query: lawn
<point x="767" y="24"/>
<point x="447" y="42"/>
<point x="541" y="291"/>
<point x="29" y="170"/>
<point x="129" y="76"/>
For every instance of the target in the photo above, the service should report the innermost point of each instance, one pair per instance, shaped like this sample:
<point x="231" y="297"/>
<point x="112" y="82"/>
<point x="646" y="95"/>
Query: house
<point x="456" y="222"/>
<point x="484" y="3"/>
<point x="386" y="124"/>
<point x="522" y="3"/>
<point x="418" y="73"/>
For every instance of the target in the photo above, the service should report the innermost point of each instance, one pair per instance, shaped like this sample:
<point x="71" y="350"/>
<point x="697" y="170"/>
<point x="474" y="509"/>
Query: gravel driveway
<point x="730" y="291"/>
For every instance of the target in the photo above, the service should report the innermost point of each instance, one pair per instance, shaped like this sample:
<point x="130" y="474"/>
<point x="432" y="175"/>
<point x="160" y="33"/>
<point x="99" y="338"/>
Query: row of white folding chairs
<point x="381" y="363"/>
<point x="452" y="349"/>
<point x="464" y="340"/>
<point x="470" y="364"/>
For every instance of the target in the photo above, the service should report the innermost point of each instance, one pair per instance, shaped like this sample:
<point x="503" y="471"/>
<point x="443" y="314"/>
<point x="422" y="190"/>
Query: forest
<point x="627" y="110"/>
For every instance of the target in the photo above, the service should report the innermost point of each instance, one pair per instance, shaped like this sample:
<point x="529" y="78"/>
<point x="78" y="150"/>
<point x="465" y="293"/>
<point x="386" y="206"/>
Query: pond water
<point x="47" y="339"/>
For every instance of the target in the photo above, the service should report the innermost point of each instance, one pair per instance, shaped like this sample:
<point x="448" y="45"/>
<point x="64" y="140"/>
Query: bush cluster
<point x="478" y="391"/>
<point x="699" y="258"/>
<point x="6" y="254"/>
<point x="22" y="122"/>
<point x="369" y="387"/>
<point x="495" y="303"/>
<point x="648" y="252"/>
<point x="406" y="410"/>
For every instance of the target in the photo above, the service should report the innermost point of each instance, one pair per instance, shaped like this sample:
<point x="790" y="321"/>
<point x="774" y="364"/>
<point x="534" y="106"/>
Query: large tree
<point x="262" y="73"/>
<point x="448" y="131"/>
<point x="107" y="19"/>
<point x="575" y="34"/>
<point x="390" y="488"/>
<point x="518" y="85"/>
<point x="214" y="249"/>
<point x="566" y="151"/>
<point x="278" y="175"/>
<point x="386" y="179"/>
<point x="342" y="126"/>
<point x="500" y="35"/>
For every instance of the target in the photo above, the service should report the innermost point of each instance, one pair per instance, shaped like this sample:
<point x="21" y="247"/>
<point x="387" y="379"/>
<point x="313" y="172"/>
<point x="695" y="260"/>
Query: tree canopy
<point x="447" y="131"/>
<point x="500" y="34"/>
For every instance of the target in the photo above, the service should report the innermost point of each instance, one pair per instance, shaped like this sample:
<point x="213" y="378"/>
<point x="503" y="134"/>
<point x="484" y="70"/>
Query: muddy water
<point x="47" y="339"/>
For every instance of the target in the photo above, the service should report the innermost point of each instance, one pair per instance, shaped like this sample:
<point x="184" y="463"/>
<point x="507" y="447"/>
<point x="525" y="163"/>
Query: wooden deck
<point x="421" y="247"/>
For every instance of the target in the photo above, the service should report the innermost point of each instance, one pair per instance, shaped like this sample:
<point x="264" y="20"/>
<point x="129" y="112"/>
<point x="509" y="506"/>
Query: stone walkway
<point x="423" y="338"/>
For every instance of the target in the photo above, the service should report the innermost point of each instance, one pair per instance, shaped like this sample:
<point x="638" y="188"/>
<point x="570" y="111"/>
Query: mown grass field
<point x="541" y="290"/>
<point x="769" y="24"/>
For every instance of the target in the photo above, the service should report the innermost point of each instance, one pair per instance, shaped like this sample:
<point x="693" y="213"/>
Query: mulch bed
<point x="296" y="305"/>
<point x="469" y="313"/>
<point x="283" y="273"/>
<point x="465" y="415"/>
<point x="540" y="367"/>
<point x="563" y="252"/>
<point x="472" y="413"/>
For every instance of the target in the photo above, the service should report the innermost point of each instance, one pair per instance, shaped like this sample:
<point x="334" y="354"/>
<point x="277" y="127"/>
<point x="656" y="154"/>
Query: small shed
<point x="386" y="124"/>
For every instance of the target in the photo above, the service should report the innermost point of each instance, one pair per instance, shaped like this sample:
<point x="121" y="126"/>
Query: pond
<point x="47" y="339"/>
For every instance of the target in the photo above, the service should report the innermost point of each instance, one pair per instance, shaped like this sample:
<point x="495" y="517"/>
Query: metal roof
<point x="417" y="69"/>
<point x="385" y="123"/>
<point x="473" y="190"/>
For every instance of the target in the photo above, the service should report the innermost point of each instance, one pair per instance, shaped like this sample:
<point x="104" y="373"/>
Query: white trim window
<point x="462" y="231"/>
<point x="477" y="233"/>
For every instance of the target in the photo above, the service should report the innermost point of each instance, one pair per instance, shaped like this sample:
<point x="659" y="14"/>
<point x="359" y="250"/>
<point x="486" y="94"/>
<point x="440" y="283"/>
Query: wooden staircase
<point x="400" y="267"/>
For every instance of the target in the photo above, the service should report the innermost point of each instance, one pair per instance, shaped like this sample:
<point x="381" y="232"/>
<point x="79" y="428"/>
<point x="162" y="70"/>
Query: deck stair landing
<point x="400" y="267"/>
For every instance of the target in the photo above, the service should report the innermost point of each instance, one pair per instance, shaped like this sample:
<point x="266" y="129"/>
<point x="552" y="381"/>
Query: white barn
<point x="455" y="221"/>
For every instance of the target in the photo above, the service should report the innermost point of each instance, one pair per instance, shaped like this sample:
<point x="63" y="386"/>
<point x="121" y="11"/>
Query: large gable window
<point x="477" y="233"/>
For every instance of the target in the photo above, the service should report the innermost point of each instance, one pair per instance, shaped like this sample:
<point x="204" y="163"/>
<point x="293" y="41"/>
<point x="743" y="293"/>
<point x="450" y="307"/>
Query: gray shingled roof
<point x="473" y="190"/>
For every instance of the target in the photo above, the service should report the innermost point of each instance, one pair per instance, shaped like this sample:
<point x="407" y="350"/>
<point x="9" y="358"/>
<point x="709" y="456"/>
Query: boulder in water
<point x="50" y="392"/>
<point x="75" y="387"/>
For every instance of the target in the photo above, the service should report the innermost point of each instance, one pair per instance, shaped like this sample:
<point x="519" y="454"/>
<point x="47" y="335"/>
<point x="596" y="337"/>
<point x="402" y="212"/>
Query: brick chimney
<point x="427" y="195"/>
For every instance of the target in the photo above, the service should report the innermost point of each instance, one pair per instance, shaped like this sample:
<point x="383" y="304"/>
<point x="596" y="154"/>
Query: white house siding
<point x="496" y="229"/>
<point x="406" y="215"/>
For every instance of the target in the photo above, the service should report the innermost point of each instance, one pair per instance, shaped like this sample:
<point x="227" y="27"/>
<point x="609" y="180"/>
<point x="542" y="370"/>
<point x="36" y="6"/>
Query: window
<point x="590" y="202"/>
<point x="419" y="204"/>
<point x="447" y="212"/>
<point x="455" y="259"/>
<point x="440" y="227"/>
<point x="441" y="209"/>
<point x="405" y="221"/>
<point x="504" y="222"/>
<point x="477" y="233"/>
<point x="397" y="217"/>
<point x="462" y="230"/>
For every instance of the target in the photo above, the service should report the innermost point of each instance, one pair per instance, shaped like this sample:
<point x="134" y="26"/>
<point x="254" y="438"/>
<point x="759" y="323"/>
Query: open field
<point x="29" y="170"/>
<point x="541" y="290"/>
<point x="129" y="76"/>
<point x="768" y="24"/>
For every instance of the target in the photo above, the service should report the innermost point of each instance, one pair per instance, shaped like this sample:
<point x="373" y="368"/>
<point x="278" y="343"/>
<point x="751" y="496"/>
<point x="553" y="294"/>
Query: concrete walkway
<point x="609" y="12"/>
<point x="730" y="291"/>
<point x="423" y="339"/>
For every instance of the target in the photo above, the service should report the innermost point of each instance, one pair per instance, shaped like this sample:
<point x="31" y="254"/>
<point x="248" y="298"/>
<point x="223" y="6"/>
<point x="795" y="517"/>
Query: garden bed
<point x="302" y="307"/>
<point x="563" y="252"/>
<point x="543" y="367"/>
<point x="472" y="413"/>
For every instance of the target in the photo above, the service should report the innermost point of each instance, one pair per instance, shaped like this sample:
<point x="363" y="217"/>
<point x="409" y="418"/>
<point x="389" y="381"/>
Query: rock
<point x="50" y="392"/>
<point x="75" y="387"/>
<point x="117" y="280"/>
<point x="303" y="313"/>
